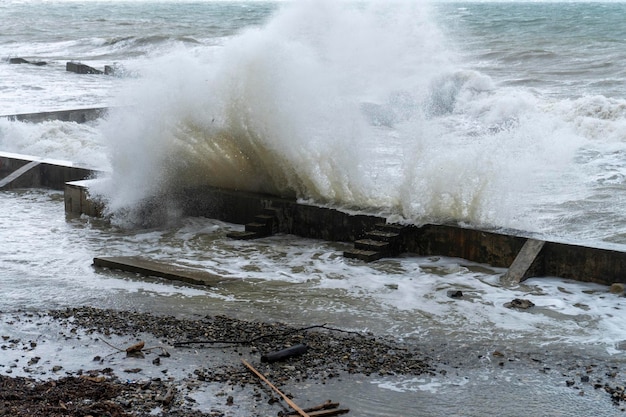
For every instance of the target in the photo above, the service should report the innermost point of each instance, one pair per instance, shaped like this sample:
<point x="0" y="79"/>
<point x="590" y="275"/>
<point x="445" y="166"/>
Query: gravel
<point x="331" y="353"/>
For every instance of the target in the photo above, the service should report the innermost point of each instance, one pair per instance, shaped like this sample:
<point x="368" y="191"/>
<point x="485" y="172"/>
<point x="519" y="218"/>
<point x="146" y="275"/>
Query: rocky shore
<point x="138" y="378"/>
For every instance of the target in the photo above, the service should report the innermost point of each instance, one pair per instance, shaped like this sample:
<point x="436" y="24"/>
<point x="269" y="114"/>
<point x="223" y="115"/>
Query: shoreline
<point x="170" y="376"/>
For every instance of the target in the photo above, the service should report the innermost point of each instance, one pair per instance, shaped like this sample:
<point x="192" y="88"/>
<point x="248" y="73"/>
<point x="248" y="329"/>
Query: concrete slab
<point x="523" y="261"/>
<point x="18" y="173"/>
<point x="148" y="267"/>
<point x="25" y="171"/>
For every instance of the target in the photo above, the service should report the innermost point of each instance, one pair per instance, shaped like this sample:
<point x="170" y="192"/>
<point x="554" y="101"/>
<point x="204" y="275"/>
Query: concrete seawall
<point x="75" y="115"/>
<point x="22" y="171"/>
<point x="582" y="263"/>
<point x="495" y="248"/>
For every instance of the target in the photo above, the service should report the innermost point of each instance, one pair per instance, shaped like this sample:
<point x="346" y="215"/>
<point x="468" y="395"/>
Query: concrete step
<point x="363" y="255"/>
<point x="264" y="218"/>
<point x="270" y="211"/>
<point x="372" y="245"/>
<point x="383" y="235"/>
<point x="391" y="227"/>
<point x="262" y="229"/>
<point x="243" y="235"/>
<point x="270" y="220"/>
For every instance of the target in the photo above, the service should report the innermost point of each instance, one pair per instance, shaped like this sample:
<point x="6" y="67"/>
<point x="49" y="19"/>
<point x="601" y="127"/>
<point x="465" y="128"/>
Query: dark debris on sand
<point x="332" y="353"/>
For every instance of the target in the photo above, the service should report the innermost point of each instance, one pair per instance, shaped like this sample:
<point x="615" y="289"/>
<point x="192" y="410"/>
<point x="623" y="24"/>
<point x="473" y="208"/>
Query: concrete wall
<point x="76" y="115"/>
<point x="496" y="249"/>
<point x="48" y="174"/>
<point x="294" y="218"/>
<point x="78" y="201"/>
<point x="591" y="264"/>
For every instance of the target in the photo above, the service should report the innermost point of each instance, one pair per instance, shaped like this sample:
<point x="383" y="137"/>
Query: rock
<point x="617" y="288"/>
<point x="520" y="304"/>
<point x="455" y="294"/>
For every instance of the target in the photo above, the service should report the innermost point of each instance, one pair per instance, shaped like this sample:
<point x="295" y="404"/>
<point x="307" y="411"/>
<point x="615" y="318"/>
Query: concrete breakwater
<point x="523" y="254"/>
<point x="74" y="115"/>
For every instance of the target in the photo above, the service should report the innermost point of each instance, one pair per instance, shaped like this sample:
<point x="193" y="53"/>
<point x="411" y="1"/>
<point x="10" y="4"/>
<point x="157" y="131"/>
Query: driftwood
<point x="293" y="405"/>
<point x="137" y="347"/>
<point x="327" y="409"/>
<point x="295" y="350"/>
<point x="263" y="336"/>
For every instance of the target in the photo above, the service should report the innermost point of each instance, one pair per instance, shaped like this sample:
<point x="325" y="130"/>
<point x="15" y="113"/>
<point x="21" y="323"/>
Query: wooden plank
<point x="18" y="173"/>
<point x="325" y="412"/>
<point x="160" y="269"/>
<point x="287" y="399"/>
<point x="523" y="261"/>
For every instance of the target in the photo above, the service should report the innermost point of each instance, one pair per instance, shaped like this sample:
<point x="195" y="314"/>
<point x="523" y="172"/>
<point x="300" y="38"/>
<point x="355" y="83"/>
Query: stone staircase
<point x="264" y="224"/>
<point x="384" y="241"/>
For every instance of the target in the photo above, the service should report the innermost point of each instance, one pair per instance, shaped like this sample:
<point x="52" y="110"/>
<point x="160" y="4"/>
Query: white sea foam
<point x="78" y="143"/>
<point x="360" y="107"/>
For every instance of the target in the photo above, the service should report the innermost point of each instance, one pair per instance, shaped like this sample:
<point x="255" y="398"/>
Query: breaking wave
<point x="357" y="106"/>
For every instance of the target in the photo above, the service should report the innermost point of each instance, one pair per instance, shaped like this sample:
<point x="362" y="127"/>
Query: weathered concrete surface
<point x="293" y="218"/>
<point x="590" y="264"/>
<point x="76" y="115"/>
<point x="6" y="181"/>
<point x="25" y="61"/>
<point x="46" y="173"/>
<point x="80" y="68"/>
<point x="148" y="267"/>
<point x="482" y="246"/>
<point x="78" y="201"/>
<point x="580" y="263"/>
<point x="523" y="262"/>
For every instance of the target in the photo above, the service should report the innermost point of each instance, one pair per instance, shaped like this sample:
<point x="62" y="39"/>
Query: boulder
<point x="520" y="304"/>
<point x="617" y="288"/>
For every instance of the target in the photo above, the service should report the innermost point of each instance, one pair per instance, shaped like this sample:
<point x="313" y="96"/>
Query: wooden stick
<point x="326" y="413"/>
<point x="328" y="404"/>
<point x="287" y="399"/>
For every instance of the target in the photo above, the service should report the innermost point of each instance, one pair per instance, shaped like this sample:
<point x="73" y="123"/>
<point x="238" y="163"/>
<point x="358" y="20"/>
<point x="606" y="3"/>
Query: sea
<point x="507" y="116"/>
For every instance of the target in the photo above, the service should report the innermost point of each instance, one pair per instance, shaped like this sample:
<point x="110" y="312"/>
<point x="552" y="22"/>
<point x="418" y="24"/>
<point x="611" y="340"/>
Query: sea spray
<point x="68" y="141"/>
<point x="362" y="106"/>
<point x="278" y="109"/>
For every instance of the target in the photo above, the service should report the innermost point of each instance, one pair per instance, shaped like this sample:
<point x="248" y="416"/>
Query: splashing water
<point x="357" y="106"/>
